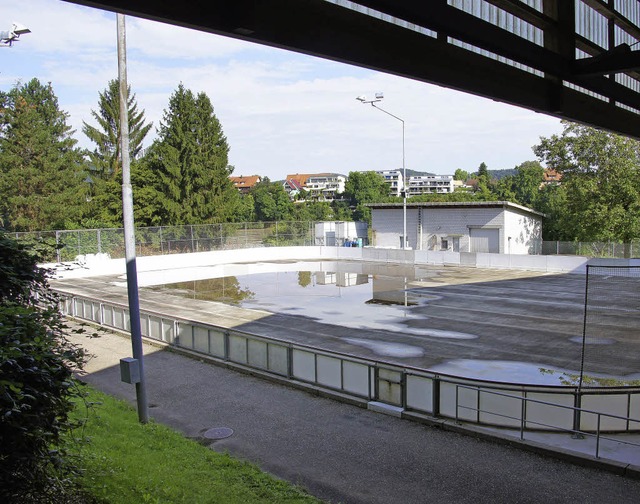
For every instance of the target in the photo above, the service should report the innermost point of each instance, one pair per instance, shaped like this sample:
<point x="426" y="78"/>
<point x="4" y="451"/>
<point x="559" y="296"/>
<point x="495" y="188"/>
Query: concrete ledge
<point x="387" y="409"/>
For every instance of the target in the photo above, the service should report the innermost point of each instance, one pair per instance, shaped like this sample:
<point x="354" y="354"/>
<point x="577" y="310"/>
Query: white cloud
<point x="282" y="112"/>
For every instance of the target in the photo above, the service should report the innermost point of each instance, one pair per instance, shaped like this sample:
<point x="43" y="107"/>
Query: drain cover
<point x="218" y="433"/>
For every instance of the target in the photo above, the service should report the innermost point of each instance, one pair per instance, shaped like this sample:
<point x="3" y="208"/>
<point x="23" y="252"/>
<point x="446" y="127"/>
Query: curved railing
<point x="406" y="391"/>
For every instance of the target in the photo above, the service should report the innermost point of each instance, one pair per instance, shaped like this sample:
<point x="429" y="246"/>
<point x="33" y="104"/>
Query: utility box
<point x="130" y="370"/>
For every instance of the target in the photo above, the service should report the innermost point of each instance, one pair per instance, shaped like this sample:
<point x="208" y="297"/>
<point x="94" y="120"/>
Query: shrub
<point x="37" y="388"/>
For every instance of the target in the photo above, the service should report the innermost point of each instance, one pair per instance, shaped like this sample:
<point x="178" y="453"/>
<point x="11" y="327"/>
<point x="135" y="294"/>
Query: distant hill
<point x="416" y="173"/>
<point x="498" y="174"/>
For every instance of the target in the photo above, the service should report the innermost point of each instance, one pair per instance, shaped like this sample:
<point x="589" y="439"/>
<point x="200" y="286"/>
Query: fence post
<point x="58" y="246"/>
<point x="193" y="247"/>
<point x="99" y="241"/>
<point x="435" y="397"/>
<point x="161" y="243"/>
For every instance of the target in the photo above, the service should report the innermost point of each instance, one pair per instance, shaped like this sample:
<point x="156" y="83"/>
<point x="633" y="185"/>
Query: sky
<point x="282" y="112"/>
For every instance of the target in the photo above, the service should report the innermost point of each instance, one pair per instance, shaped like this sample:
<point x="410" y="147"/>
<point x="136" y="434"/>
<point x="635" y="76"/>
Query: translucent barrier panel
<point x="355" y="378"/>
<point x="238" y="349"/>
<point x="144" y="324"/>
<point x="448" y="399"/>
<point x="501" y="410"/>
<point x="86" y="309"/>
<point x="168" y="330"/>
<point x="328" y="371"/>
<point x="108" y="316"/>
<point x="389" y="386"/>
<point x="278" y="359"/>
<point x="127" y="320"/>
<point x="634" y="407"/>
<point x="304" y="365"/>
<point x="420" y="393"/>
<point x="118" y="318"/>
<point x="97" y="315"/>
<point x="550" y="415"/>
<point x="216" y="343"/>
<point x="257" y="351"/>
<point x="155" y="327"/>
<point x="467" y="404"/>
<point x="200" y="339"/>
<point x="185" y="335"/>
<point x="612" y="404"/>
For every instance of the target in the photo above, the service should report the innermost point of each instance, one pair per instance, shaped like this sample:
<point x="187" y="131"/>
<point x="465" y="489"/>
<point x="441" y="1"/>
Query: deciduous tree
<point x="601" y="180"/>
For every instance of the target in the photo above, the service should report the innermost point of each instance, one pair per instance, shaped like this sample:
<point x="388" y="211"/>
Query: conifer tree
<point x="189" y="163"/>
<point x="41" y="170"/>
<point x="106" y="156"/>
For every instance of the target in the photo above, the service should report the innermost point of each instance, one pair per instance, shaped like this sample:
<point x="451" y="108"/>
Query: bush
<point x="37" y="388"/>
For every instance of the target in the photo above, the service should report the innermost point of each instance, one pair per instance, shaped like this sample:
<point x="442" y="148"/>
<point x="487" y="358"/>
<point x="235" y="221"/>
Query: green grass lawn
<point x="127" y="462"/>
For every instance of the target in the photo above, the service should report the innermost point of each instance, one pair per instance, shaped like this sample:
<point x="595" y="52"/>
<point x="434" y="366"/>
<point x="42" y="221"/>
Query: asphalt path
<point x="339" y="452"/>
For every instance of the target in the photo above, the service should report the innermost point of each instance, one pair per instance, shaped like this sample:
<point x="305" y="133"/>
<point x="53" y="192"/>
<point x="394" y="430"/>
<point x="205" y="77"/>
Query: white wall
<point x="525" y="232"/>
<point x="426" y="230"/>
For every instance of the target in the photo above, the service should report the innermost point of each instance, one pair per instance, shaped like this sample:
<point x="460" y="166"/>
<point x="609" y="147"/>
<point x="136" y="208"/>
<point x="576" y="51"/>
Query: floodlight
<point x="19" y="29"/>
<point x="379" y="95"/>
<point x="362" y="98"/>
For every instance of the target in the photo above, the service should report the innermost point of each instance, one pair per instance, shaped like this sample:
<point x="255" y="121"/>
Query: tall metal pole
<point x="129" y="229"/>
<point x="404" y="176"/>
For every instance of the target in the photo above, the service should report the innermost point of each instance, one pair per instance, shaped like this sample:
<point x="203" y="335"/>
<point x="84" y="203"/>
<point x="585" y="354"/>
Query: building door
<point x="330" y="239"/>
<point x="484" y="240"/>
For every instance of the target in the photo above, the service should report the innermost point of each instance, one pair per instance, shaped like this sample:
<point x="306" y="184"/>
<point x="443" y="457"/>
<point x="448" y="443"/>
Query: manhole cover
<point x="218" y="433"/>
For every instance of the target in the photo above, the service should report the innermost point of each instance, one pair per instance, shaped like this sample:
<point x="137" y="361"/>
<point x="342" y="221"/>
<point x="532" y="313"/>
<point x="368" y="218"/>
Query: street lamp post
<point x="378" y="98"/>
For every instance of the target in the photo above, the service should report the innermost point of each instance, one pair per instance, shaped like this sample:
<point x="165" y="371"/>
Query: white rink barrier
<point x="92" y="266"/>
<point x="411" y="392"/>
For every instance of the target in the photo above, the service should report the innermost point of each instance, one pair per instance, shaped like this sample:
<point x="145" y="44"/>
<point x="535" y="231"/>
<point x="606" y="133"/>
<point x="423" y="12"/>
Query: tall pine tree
<point x="189" y="163"/>
<point x="106" y="156"/>
<point x="105" y="170"/>
<point x="41" y="170"/>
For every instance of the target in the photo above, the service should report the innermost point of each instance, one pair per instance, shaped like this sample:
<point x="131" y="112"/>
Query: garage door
<point x="484" y="240"/>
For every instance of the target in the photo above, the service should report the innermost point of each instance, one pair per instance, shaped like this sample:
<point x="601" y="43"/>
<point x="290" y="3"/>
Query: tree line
<point x="48" y="182"/>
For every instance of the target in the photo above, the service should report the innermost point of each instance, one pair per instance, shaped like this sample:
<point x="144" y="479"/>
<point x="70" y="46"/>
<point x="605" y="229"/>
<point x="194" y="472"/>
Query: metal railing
<point x="414" y="390"/>
<point x="526" y="424"/>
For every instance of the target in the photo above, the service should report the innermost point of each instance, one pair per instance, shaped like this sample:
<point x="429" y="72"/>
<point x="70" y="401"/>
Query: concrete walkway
<point x="342" y="453"/>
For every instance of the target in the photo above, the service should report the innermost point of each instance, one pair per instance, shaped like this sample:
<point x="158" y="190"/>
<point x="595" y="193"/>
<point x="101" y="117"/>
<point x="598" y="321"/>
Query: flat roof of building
<point x="457" y="204"/>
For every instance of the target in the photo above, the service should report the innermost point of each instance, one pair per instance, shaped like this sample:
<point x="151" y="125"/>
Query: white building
<point x="488" y="226"/>
<point x="430" y="184"/>
<point x="325" y="186"/>
<point x="341" y="233"/>
<point x="394" y="179"/>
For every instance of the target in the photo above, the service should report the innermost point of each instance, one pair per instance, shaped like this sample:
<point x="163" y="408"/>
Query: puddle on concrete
<point x="345" y="294"/>
<point x="592" y="341"/>
<point x="530" y="373"/>
<point x="386" y="348"/>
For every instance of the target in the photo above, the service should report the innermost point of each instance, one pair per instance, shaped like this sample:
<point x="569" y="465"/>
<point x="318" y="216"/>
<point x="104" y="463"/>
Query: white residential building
<point x="325" y="186"/>
<point x="429" y="184"/>
<point x="394" y="179"/>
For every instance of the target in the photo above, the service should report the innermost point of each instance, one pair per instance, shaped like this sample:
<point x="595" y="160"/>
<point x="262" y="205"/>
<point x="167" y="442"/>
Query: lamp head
<point x="362" y="98"/>
<point x="379" y="95"/>
<point x="19" y="29"/>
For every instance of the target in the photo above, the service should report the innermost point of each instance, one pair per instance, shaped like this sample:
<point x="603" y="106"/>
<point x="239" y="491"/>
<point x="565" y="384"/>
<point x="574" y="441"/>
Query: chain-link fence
<point x="591" y="249"/>
<point x="610" y="339"/>
<point x="204" y="237"/>
<point x="67" y="245"/>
